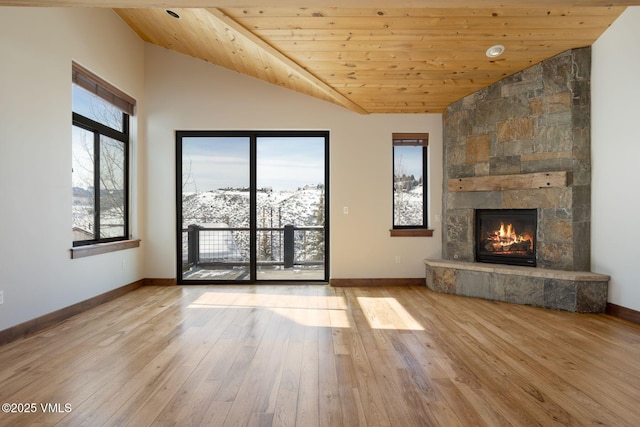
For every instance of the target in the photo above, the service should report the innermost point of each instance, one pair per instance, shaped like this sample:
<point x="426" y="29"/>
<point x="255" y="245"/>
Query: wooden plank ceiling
<point x="417" y="57"/>
<point x="374" y="60"/>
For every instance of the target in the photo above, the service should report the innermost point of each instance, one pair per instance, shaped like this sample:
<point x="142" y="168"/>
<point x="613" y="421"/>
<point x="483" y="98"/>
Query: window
<point x="100" y="160"/>
<point x="409" y="184"/>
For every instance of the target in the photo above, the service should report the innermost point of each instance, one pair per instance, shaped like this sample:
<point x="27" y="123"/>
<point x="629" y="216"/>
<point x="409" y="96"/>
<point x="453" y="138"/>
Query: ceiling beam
<point x="303" y="74"/>
<point x="321" y="3"/>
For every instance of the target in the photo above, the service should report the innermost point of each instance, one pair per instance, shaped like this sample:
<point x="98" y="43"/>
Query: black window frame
<point x="98" y="129"/>
<point x="414" y="140"/>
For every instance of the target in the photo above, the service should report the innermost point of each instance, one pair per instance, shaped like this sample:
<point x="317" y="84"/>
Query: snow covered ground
<point x="230" y="208"/>
<point x="274" y="208"/>
<point x="409" y="207"/>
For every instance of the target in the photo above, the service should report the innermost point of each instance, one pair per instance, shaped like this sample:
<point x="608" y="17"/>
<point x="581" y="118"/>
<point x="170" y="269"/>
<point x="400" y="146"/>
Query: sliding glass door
<point x="252" y="206"/>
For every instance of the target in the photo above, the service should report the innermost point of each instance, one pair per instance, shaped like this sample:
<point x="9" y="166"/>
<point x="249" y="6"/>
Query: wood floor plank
<point x="577" y="362"/>
<point x="307" y="413"/>
<point x="369" y="394"/>
<point x="312" y="355"/>
<point x="292" y="403"/>
<point x="330" y="413"/>
<point x="255" y="395"/>
<point x="380" y="346"/>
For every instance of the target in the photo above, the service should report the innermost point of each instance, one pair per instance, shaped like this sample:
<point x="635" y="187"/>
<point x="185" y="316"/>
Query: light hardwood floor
<point x="312" y="355"/>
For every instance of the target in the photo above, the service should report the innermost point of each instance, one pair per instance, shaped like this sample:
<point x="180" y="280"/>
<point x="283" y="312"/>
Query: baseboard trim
<point x="160" y="282"/>
<point x="39" y="323"/>
<point x="623" y="312"/>
<point x="376" y="282"/>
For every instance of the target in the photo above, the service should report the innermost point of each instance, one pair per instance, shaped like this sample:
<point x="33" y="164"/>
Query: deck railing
<point x="288" y="246"/>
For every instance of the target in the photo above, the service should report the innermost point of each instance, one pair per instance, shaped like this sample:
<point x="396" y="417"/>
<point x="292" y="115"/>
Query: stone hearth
<point x="575" y="291"/>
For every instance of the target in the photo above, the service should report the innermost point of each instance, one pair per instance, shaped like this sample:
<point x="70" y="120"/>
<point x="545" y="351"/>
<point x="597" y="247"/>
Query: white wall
<point x="615" y="157"/>
<point x="186" y="94"/>
<point x="36" y="50"/>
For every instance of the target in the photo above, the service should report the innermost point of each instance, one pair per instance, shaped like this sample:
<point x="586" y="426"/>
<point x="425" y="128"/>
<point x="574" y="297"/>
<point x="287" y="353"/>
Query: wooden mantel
<point x="509" y="182"/>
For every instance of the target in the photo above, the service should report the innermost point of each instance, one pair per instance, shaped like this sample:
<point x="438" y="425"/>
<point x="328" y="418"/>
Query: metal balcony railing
<point x="289" y="246"/>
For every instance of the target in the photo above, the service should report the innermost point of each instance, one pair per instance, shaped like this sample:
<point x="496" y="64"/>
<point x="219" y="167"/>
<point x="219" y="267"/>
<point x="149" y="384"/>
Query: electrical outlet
<point x="345" y="210"/>
<point x="397" y="259"/>
<point x="1" y="297"/>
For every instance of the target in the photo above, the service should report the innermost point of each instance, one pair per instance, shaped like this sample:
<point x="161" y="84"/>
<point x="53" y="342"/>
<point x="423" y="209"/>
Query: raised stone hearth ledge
<point x="576" y="291"/>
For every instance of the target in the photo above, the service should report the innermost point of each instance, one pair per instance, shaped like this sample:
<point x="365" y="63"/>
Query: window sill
<point x="103" y="248"/>
<point x="411" y="232"/>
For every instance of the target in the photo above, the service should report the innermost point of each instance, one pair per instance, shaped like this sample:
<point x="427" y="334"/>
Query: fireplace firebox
<point x="506" y="236"/>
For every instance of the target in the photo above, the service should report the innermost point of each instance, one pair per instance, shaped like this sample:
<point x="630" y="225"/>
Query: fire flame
<point x="505" y="237"/>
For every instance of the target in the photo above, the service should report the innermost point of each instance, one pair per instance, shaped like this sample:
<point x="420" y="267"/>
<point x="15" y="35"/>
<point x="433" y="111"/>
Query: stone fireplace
<point x="523" y="143"/>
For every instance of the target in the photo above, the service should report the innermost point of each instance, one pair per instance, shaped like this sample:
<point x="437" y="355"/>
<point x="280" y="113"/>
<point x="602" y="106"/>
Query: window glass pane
<point x="408" y="189"/>
<point x="290" y="197"/>
<point x="216" y="208"/>
<point x="94" y="108"/>
<point x="83" y="186"/>
<point x="112" y="188"/>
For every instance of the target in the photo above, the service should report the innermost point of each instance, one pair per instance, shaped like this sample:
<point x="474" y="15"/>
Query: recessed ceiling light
<point x="172" y="14"/>
<point x="495" y="51"/>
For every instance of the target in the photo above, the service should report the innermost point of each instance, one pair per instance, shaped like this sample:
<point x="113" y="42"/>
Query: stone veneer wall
<point x="537" y="120"/>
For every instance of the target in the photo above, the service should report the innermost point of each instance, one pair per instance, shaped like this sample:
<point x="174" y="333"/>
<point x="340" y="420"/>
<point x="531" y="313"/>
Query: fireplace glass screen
<point x="506" y="236"/>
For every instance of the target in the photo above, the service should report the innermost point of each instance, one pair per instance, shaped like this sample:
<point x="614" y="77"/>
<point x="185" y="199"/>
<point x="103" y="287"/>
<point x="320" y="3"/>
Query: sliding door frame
<point x="253" y="139"/>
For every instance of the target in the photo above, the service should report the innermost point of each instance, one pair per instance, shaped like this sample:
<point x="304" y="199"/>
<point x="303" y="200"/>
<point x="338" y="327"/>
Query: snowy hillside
<point x="229" y="208"/>
<point x="275" y="208"/>
<point x="408" y="206"/>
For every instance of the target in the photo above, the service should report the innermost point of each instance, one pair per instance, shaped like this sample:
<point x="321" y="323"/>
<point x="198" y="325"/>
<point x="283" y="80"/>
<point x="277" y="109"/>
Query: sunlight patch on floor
<point x="238" y="299"/>
<point x="387" y="313"/>
<point x="316" y="311"/>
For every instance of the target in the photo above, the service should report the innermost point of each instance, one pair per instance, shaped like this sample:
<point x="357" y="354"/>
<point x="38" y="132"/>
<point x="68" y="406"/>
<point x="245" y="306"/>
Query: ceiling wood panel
<point x="388" y="60"/>
<point x="416" y="57"/>
<point x="210" y="35"/>
<point x="471" y="8"/>
<point x="387" y="23"/>
<point x="397" y="60"/>
<point x="417" y="4"/>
